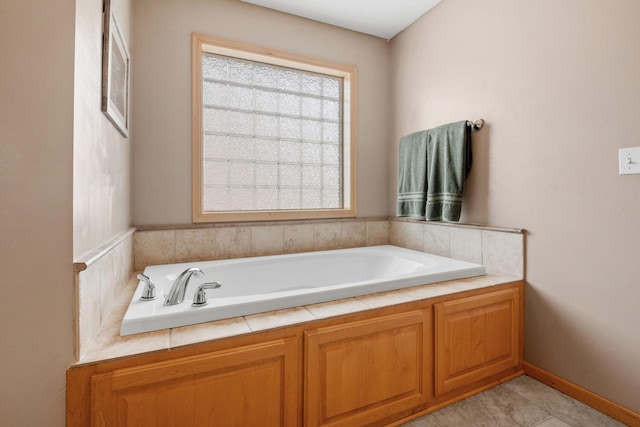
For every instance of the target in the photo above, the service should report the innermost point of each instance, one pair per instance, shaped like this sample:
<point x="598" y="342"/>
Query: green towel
<point x="448" y="165"/>
<point x="412" y="175"/>
<point x="432" y="168"/>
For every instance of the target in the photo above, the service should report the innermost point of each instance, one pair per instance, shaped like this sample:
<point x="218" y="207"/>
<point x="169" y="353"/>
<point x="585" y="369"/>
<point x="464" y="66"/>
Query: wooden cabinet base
<point x="370" y="368"/>
<point x="476" y="337"/>
<point x="247" y="386"/>
<point x="362" y="372"/>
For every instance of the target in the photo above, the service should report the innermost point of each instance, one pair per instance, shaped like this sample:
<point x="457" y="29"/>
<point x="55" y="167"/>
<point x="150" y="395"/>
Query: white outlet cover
<point x="629" y="160"/>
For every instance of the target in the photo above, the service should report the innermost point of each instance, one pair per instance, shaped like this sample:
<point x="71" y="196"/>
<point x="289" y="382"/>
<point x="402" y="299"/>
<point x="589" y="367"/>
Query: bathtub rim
<point x="175" y="316"/>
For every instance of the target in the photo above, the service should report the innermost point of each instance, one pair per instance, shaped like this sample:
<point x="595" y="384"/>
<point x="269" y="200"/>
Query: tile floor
<point x="522" y="402"/>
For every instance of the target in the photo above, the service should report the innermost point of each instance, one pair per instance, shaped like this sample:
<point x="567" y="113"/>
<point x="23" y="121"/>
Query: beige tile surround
<point x="165" y="245"/>
<point x="102" y="276"/>
<point x="500" y="250"/>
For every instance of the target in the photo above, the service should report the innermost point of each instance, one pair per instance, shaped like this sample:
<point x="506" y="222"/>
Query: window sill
<point x="280" y="215"/>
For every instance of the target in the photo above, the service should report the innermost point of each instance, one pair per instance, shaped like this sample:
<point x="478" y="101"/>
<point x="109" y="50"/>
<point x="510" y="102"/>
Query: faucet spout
<point x="179" y="286"/>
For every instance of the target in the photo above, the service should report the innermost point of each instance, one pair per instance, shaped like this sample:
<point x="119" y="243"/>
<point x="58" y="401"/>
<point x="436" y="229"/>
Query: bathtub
<point x="259" y="284"/>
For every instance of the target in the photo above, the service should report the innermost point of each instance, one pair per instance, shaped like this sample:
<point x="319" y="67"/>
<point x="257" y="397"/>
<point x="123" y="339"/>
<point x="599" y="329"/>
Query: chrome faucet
<point x="179" y="286"/>
<point x="200" y="297"/>
<point x="149" y="291"/>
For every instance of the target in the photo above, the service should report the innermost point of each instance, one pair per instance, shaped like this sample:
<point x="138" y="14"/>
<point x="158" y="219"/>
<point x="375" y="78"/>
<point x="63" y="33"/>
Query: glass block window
<point x="273" y="137"/>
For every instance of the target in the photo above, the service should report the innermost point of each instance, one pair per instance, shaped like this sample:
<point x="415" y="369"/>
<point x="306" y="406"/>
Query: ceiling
<point x="380" y="18"/>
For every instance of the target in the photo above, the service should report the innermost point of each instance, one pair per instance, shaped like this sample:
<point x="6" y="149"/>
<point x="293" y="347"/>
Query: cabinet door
<point x="477" y="337"/>
<point x="362" y="372"/>
<point x="246" y="386"/>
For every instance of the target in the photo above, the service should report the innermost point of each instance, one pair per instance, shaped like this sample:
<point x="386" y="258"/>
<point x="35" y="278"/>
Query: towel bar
<point x="476" y="125"/>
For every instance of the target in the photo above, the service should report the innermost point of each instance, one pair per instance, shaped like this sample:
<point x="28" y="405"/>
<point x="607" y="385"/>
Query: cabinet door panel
<point x="364" y="371"/>
<point x="253" y="385"/>
<point x="165" y="404"/>
<point x="258" y="397"/>
<point x="476" y="337"/>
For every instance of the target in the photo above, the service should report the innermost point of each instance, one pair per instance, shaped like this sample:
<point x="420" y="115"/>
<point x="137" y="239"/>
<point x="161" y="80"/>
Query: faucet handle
<point x="200" y="296"/>
<point x="149" y="291"/>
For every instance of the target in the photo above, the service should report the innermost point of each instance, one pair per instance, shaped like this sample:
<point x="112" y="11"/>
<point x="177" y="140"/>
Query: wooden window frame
<point x="207" y="44"/>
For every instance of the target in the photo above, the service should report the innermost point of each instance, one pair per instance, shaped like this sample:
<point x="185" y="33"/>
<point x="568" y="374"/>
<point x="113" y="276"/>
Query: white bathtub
<point x="255" y="285"/>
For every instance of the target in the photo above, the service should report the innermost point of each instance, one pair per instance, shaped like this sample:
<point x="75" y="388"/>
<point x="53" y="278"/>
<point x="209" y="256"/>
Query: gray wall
<point x="101" y="155"/>
<point x="65" y="186"/>
<point x="162" y="95"/>
<point x="557" y="83"/>
<point x="36" y="149"/>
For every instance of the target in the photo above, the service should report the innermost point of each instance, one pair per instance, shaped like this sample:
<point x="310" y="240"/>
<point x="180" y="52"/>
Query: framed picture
<point x="115" y="73"/>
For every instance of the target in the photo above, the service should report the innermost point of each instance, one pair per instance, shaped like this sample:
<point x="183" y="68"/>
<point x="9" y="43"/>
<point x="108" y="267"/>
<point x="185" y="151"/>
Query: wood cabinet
<point x="477" y="337"/>
<point x="369" y="368"/>
<point x="362" y="372"/>
<point x="248" y="386"/>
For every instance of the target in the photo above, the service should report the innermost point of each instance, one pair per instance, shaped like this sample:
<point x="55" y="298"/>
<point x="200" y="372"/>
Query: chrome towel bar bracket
<point x="476" y="125"/>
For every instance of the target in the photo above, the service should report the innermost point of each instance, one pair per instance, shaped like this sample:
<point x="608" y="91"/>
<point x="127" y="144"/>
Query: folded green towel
<point x="432" y="168"/>
<point x="412" y="175"/>
<point x="448" y="165"/>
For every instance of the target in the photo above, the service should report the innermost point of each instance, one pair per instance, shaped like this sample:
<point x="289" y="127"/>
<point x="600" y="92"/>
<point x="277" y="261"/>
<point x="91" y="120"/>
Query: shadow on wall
<point x="475" y="204"/>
